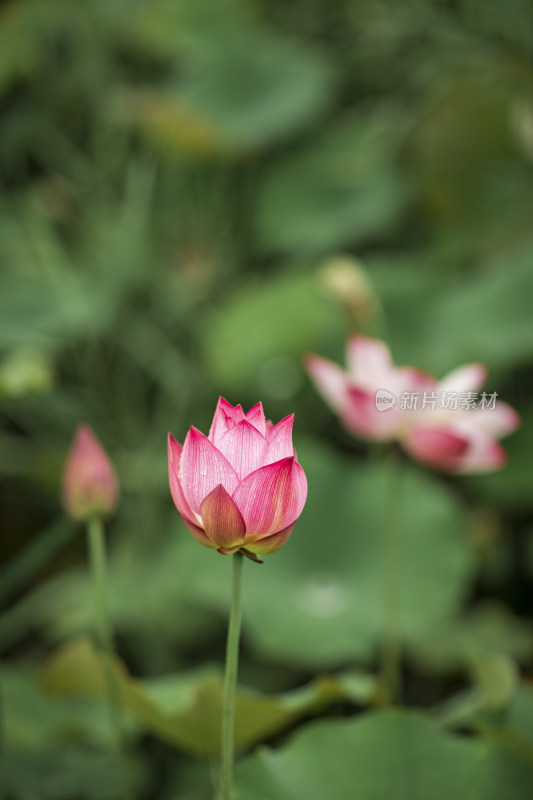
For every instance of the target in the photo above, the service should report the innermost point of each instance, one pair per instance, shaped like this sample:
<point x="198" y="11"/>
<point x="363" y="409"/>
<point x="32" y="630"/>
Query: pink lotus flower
<point x="352" y="394"/>
<point x="459" y="437"/>
<point x="90" y="485"/>
<point x="241" y="487"/>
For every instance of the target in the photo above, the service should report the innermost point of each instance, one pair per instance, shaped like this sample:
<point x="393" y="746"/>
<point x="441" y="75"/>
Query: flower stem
<point x="391" y="650"/>
<point x="98" y="559"/>
<point x="230" y="681"/>
<point x="97" y="551"/>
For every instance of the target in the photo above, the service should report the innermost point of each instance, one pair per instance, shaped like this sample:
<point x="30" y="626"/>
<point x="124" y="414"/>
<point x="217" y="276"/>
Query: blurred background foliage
<point x="193" y="195"/>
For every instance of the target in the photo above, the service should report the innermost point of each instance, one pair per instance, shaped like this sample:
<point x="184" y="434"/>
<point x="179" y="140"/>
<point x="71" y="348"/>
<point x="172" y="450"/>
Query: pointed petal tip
<point x="173" y="443"/>
<point x="256" y="416"/>
<point x="512" y="419"/>
<point x="466" y="378"/>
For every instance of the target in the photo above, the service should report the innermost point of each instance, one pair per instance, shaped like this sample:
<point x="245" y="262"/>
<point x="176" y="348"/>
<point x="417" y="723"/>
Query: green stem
<point x="230" y="681"/>
<point x="392" y="651"/>
<point x="98" y="558"/>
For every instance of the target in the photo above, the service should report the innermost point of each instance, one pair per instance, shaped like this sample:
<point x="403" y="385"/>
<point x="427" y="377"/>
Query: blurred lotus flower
<point x="241" y="487"/>
<point x="460" y="434"/>
<point x="355" y="395"/>
<point x="90" y="486"/>
<point x="445" y="424"/>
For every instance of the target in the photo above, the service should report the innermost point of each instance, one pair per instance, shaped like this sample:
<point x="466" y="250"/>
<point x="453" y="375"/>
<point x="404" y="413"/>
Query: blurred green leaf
<point x="511" y="719"/>
<point x="185" y="710"/>
<point x="20" y="28"/>
<point x="388" y="755"/>
<point x="510" y="489"/>
<point x="60" y="747"/>
<point x="487" y="317"/>
<point x="342" y="188"/>
<point x="256" y="89"/>
<point x="64" y="605"/>
<point x="66" y="772"/>
<point x="464" y="144"/>
<point x="519" y="713"/>
<point x="284" y="316"/>
<point x="38" y="553"/>
<point x="485" y="630"/>
<point x="33" y="719"/>
<point x="238" y="94"/>
<point x="170" y="26"/>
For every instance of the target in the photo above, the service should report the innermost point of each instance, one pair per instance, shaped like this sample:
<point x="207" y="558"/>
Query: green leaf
<point x="185" y="710"/>
<point x="511" y="720"/>
<point x="519" y="713"/>
<point x="485" y="630"/>
<point x="488" y="317"/>
<point x="510" y="489"/>
<point x="33" y="720"/>
<point x="264" y="320"/>
<point x="388" y="755"/>
<point x="169" y="27"/>
<point x="58" y="747"/>
<point x="341" y="188"/>
<point x="256" y="89"/>
<point x="236" y="91"/>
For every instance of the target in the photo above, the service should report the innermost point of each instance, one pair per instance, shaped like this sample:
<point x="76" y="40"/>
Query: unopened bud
<point x="346" y="279"/>
<point x="90" y="485"/>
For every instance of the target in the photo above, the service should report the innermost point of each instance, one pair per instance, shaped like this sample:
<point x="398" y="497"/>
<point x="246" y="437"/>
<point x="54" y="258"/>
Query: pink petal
<point x="234" y="413"/>
<point x="363" y="418"/>
<point x="272" y="498"/>
<point x="330" y="381"/>
<point x="498" y="421"/>
<point x="226" y="416"/>
<point x="280" y="441"/>
<point x="484" y="455"/>
<point x="369" y="362"/>
<point x="203" y="467"/>
<point x="269" y="544"/>
<point x="222" y="519"/>
<point x="256" y="416"/>
<point x="174" y="456"/>
<point x="439" y="447"/>
<point x="244" y="447"/>
<point x="468" y="378"/>
<point x="412" y="379"/>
